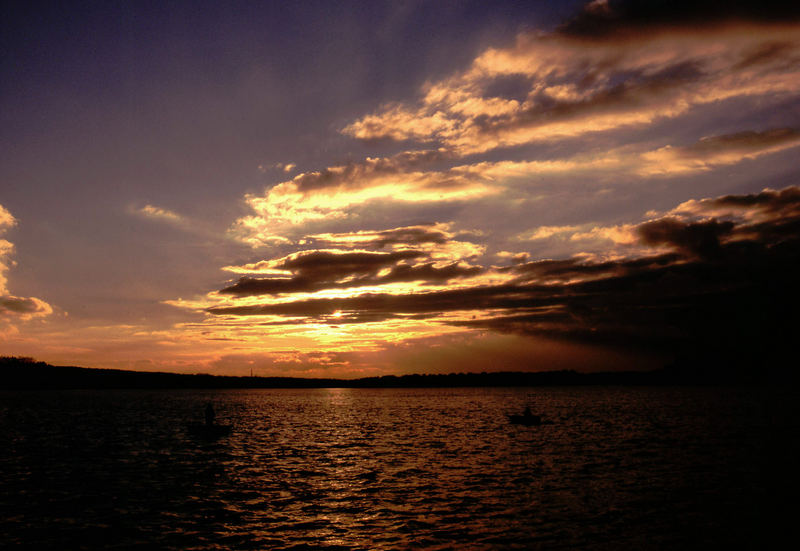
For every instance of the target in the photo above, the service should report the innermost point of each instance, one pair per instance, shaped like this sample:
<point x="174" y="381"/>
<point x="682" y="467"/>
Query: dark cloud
<point x="316" y="270"/>
<point x="250" y="286"/>
<point x="785" y="201"/>
<point x="571" y="268"/>
<point x="600" y="18"/>
<point x="620" y="90"/>
<point x="778" y="230"/>
<point x="20" y="306"/>
<point x="408" y="235"/>
<point x="736" y="312"/>
<point x="701" y="239"/>
<point x="767" y="52"/>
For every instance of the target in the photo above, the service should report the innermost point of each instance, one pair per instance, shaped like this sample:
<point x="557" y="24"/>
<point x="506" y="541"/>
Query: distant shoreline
<point x="28" y="374"/>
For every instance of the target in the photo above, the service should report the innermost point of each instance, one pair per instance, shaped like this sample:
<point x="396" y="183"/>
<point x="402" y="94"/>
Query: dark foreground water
<point x="618" y="468"/>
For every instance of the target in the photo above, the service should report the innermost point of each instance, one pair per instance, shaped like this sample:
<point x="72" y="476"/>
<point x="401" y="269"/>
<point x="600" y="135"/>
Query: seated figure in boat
<point x="210" y="415"/>
<point x="529" y="416"/>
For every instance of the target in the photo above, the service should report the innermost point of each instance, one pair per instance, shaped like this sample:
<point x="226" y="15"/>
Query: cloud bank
<point x="558" y="86"/>
<point x="717" y="275"/>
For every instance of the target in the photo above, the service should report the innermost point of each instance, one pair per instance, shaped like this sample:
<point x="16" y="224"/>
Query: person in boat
<point x="210" y="415"/>
<point x="530" y="417"/>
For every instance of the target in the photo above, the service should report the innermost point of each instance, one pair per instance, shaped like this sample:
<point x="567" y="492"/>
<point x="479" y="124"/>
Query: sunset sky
<point x="347" y="189"/>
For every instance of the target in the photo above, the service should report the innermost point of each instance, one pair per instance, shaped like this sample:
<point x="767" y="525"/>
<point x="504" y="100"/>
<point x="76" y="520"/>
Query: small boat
<point x="209" y="431"/>
<point x="526" y="420"/>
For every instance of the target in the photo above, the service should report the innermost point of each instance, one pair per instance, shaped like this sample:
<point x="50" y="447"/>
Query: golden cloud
<point x="159" y="213"/>
<point x="13" y="308"/>
<point x="333" y="192"/>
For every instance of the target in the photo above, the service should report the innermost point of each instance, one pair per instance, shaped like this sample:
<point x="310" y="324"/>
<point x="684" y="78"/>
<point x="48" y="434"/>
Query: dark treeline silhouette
<point x="28" y="374"/>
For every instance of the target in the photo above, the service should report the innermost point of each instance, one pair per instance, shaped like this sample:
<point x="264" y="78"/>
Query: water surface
<point x="649" y="468"/>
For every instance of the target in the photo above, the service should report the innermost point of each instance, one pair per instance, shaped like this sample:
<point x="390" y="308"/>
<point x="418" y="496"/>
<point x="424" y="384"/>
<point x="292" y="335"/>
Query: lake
<point x="617" y="468"/>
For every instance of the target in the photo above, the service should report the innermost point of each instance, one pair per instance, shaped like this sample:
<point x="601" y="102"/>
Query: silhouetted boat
<point x="527" y="420"/>
<point x="209" y="431"/>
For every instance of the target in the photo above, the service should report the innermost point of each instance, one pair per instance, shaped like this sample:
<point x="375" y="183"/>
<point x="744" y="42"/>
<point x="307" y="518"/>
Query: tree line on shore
<point x="26" y="373"/>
